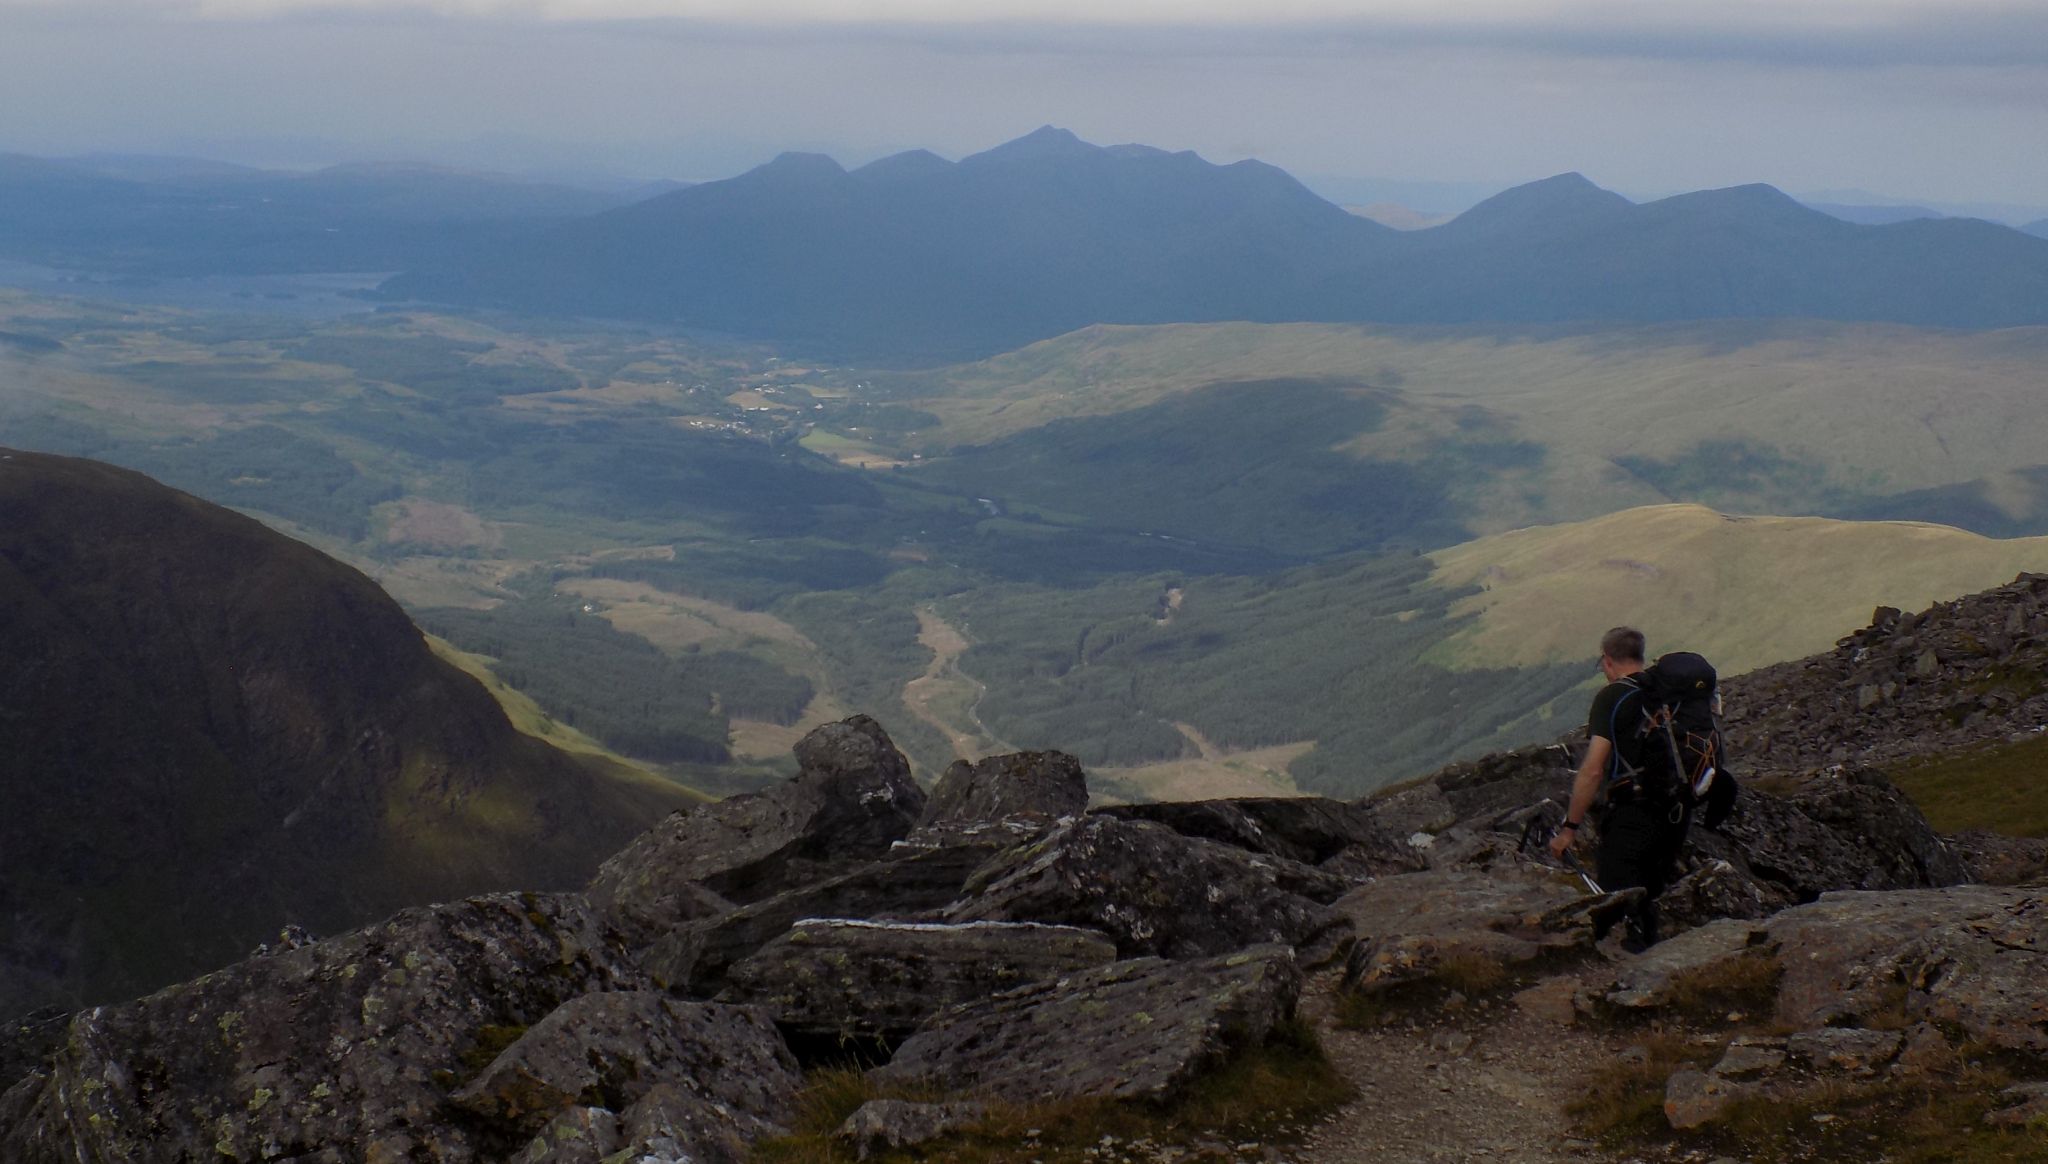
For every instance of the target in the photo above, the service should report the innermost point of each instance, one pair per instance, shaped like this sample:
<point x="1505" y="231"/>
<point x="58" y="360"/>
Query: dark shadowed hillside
<point x="208" y="730"/>
<point x="915" y="258"/>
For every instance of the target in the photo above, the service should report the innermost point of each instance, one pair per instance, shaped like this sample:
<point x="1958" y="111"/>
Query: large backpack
<point x="1684" y="757"/>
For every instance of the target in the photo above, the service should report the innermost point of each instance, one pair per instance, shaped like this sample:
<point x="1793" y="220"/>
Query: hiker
<point x="1643" y="825"/>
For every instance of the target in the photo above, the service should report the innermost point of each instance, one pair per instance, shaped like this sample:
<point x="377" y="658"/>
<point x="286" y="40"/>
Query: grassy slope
<point x="527" y="716"/>
<point x="1997" y="788"/>
<point x="1875" y="408"/>
<point x="1744" y="591"/>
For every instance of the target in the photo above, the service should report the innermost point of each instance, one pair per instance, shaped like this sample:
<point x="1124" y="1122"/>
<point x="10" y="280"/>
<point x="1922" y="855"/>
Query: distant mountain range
<point x="208" y="730"/>
<point x="180" y="216"/>
<point x="915" y="257"/>
<point x="1873" y="215"/>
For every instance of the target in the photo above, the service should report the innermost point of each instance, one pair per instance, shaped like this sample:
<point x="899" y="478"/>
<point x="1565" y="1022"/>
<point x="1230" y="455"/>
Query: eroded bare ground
<point x="1214" y="772"/>
<point x="1484" y="1081"/>
<point x="944" y="696"/>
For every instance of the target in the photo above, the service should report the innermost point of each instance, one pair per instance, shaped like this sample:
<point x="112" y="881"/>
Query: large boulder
<point x="1308" y="829"/>
<point x="354" y="1041"/>
<point x="1832" y="834"/>
<point x="611" y="1050"/>
<point x="1047" y="785"/>
<point x="1465" y="924"/>
<point x="1140" y="1029"/>
<point x="851" y="799"/>
<point x="1973" y="959"/>
<point x="843" y="979"/>
<point x="1153" y="891"/>
<point x="910" y="884"/>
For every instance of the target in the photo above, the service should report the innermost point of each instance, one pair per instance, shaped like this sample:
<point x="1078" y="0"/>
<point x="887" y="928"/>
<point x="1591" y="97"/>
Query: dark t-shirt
<point x="1617" y="715"/>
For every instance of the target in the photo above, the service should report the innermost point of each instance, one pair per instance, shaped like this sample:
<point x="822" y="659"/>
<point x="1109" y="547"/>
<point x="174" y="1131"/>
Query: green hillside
<point x="1744" y="591"/>
<point x="1766" y="417"/>
<point x="691" y="550"/>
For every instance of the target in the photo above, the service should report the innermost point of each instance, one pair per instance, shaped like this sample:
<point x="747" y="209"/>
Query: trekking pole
<point x="1571" y="859"/>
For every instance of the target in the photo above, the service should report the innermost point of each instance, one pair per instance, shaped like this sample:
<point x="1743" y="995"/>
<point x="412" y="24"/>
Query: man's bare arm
<point x="1585" y="787"/>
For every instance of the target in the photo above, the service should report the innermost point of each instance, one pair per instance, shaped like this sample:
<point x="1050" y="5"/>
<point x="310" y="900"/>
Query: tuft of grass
<point x="1996" y="788"/>
<point x="1935" y="1118"/>
<point x="1270" y="1093"/>
<point x="1622" y="1102"/>
<point x="1709" y="994"/>
<point x="1472" y="974"/>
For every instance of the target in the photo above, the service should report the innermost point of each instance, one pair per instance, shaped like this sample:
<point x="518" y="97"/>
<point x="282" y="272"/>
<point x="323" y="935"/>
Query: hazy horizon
<point x="1914" y="100"/>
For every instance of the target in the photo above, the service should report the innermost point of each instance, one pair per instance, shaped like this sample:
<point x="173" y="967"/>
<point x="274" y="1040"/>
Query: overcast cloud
<point x="1939" y="100"/>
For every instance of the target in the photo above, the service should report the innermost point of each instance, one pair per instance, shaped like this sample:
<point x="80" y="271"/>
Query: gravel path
<point x="1487" y="1082"/>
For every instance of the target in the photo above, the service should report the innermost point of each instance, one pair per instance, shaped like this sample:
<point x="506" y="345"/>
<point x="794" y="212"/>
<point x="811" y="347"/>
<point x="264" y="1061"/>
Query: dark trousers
<point x="1639" y="843"/>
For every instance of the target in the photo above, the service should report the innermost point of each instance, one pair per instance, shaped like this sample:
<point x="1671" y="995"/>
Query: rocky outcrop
<point x="609" y="1051"/>
<point x="1153" y="891"/>
<point x="354" y="1040"/>
<point x="847" y="980"/>
<point x="1044" y="785"/>
<point x="910" y="884"/>
<point x="1423" y="925"/>
<point x="1971" y="958"/>
<point x="1971" y="671"/>
<point x="1831" y="833"/>
<point x="852" y="798"/>
<point x="1141" y="1029"/>
<point x="1308" y="829"/>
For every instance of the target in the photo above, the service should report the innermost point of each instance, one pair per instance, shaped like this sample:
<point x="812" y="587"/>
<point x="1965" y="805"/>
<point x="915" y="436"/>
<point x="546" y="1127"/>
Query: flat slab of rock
<point x="1308" y="829"/>
<point x="609" y="1050"/>
<point x="1844" y="1048"/>
<point x="1972" y="957"/>
<point x="911" y="883"/>
<point x="352" y="1040"/>
<point x="865" y="979"/>
<point x="1046" y="785"/>
<point x="1411" y="926"/>
<point x="1750" y="1057"/>
<point x="851" y="799"/>
<point x="1141" y="1029"/>
<point x="1152" y="890"/>
<point x="1656" y="978"/>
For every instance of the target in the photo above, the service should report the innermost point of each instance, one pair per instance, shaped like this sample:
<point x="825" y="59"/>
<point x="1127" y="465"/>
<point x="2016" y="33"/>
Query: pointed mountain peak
<point x="1047" y="142"/>
<point x="1561" y="198"/>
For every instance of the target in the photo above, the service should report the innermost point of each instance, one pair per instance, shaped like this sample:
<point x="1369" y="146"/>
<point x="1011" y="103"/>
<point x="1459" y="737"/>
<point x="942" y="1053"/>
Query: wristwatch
<point x="1570" y="824"/>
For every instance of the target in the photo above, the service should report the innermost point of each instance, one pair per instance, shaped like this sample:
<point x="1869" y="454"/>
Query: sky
<point x="1931" y="100"/>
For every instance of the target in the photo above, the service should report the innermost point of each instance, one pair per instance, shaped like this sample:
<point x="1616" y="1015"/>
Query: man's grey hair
<point x="1623" y="644"/>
